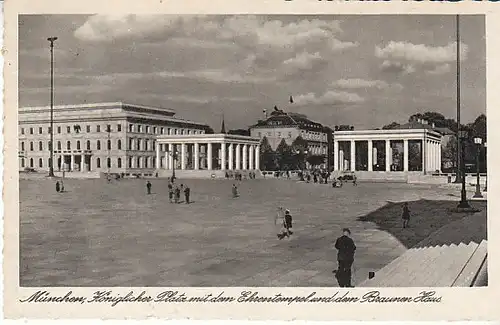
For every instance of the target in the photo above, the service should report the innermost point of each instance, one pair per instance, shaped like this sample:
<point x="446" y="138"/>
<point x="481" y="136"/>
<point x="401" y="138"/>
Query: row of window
<point x="134" y="144"/>
<point x="140" y="162"/>
<point x="137" y="128"/>
<point x="268" y="134"/>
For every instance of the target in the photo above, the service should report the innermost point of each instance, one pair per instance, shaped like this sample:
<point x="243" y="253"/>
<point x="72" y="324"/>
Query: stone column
<point x="341" y="162"/>
<point x="72" y="163"/>
<point x="183" y="156"/>
<point x="231" y="155"/>
<point x="82" y="158"/>
<point x="238" y="157"/>
<point x="336" y="155"/>
<point x="439" y="156"/>
<point x="370" y="155"/>
<point x="251" y="160"/>
<point x="169" y="156"/>
<point x="245" y="157"/>
<point x="209" y="156"/>
<point x="353" y="156"/>
<point x="388" y="155"/>
<point x="223" y="156"/>
<point x="422" y="153"/>
<point x="157" y="155"/>
<point x="405" y="155"/>
<point x="196" y="156"/>
<point x="257" y="157"/>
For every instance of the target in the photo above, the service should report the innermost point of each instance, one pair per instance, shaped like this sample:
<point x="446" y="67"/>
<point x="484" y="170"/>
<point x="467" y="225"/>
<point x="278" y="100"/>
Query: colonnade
<point x="208" y="156"/>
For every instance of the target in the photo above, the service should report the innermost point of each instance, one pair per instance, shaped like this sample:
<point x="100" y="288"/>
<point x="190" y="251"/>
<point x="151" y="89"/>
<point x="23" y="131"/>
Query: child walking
<point x="405" y="215"/>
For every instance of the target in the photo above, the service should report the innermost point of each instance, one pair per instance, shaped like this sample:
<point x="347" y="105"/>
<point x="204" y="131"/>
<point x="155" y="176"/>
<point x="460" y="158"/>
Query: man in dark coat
<point x="148" y="186"/>
<point x="187" y="193"/>
<point x="345" y="257"/>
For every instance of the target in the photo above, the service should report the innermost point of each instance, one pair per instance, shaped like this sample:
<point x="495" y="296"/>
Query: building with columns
<point x="98" y="138"/>
<point x="206" y="155"/>
<point x="397" y="150"/>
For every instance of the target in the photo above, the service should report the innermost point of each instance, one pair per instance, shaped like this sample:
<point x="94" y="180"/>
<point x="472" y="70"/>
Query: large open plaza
<point x="113" y="234"/>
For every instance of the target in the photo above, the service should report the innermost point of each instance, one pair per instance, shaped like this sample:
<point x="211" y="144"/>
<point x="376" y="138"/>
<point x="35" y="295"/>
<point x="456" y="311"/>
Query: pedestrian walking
<point x="354" y="180"/>
<point x="170" y="192"/>
<point x="405" y="215"/>
<point x="177" y="194"/>
<point x="279" y="223"/>
<point x="235" y="191"/>
<point x="345" y="258"/>
<point x="58" y="187"/>
<point x="148" y="187"/>
<point x="187" y="193"/>
<point x="288" y="222"/>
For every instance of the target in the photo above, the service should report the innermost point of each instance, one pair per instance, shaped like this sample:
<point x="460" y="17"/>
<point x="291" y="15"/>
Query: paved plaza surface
<point x="113" y="234"/>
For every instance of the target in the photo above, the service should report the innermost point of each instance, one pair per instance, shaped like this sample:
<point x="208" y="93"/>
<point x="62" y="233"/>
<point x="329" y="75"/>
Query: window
<point x="138" y="162"/>
<point x="31" y="130"/>
<point x="50" y="145"/>
<point x="22" y="130"/>
<point x="68" y="129"/>
<point x="40" y="145"/>
<point x="31" y="146"/>
<point x="175" y="131"/>
<point x="147" y="128"/>
<point x="279" y="134"/>
<point x="119" y="162"/>
<point x="109" y="162"/>
<point x="68" y="145"/>
<point x="88" y="144"/>
<point x="189" y="131"/>
<point x="146" y="144"/>
<point x="130" y="162"/>
<point x="40" y="162"/>
<point x="109" y="144"/>
<point x="98" y="145"/>
<point x="22" y="162"/>
<point x="119" y="128"/>
<point x="58" y="145"/>
<point x="58" y="129"/>
<point x="49" y="130"/>
<point x="31" y="163"/>
<point x="155" y="130"/>
<point x="138" y="144"/>
<point x="139" y="128"/>
<point x="130" y="144"/>
<point x="40" y="130"/>
<point x="108" y="128"/>
<point x="78" y="145"/>
<point x="119" y="144"/>
<point x="98" y="128"/>
<point x="146" y="162"/>
<point x="22" y="146"/>
<point x="130" y="128"/>
<point x="98" y="162"/>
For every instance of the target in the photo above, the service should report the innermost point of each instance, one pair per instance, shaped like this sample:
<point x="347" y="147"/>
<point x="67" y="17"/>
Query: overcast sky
<point x="366" y="71"/>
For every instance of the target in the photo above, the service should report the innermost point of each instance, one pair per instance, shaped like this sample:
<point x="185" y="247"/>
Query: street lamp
<point x="298" y="152"/>
<point x="486" y="168"/>
<point x="51" y="165"/>
<point x="478" y="141"/>
<point x="463" y="197"/>
<point x="174" y="158"/>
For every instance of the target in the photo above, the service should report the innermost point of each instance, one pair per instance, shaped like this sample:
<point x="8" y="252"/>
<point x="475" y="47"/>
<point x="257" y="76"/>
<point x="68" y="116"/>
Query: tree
<point x="393" y="125"/>
<point x="209" y="130"/>
<point x="284" y="156"/>
<point x="266" y="155"/>
<point x="316" y="160"/>
<point x="449" y="154"/>
<point x="299" y="148"/>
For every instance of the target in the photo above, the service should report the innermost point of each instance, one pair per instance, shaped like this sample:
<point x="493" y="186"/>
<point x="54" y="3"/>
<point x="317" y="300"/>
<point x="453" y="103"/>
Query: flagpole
<point x="458" y="158"/>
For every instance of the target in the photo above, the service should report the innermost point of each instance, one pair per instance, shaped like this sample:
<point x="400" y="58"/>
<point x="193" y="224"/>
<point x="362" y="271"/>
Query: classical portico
<point x="401" y="150"/>
<point x="207" y="152"/>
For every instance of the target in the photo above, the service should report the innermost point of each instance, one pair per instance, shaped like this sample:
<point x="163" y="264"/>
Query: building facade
<point x="102" y="137"/>
<point x="281" y="126"/>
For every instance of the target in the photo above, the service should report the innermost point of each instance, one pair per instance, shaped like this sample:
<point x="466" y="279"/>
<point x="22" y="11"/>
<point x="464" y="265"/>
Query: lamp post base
<point x="478" y="195"/>
<point x="464" y="204"/>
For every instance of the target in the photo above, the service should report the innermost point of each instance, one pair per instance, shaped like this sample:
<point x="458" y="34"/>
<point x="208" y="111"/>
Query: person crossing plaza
<point x="345" y="258"/>
<point x="148" y="187"/>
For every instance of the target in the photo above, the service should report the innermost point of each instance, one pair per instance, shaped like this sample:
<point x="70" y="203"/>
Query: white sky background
<point x="357" y="70"/>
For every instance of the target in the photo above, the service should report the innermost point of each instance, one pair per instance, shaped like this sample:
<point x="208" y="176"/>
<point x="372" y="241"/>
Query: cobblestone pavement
<point x="113" y="234"/>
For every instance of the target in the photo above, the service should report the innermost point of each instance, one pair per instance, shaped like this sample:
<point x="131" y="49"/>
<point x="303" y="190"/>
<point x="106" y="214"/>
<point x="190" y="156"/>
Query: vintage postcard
<point x="263" y="160"/>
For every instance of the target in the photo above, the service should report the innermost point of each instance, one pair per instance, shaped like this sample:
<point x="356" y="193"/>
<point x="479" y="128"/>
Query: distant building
<point x="102" y="137"/>
<point x="288" y="126"/>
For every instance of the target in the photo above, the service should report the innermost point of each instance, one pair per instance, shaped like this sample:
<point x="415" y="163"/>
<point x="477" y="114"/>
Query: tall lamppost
<point x="174" y="160"/>
<point x="51" y="164"/>
<point x="464" y="204"/>
<point x="459" y="146"/>
<point x="301" y="161"/>
<point x="478" y="141"/>
<point x="486" y="168"/>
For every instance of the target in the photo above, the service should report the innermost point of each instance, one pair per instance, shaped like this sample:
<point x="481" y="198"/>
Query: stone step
<point x="470" y="270"/>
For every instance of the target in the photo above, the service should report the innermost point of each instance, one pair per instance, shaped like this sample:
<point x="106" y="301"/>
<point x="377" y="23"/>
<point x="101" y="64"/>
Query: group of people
<point x="239" y="176"/>
<point x="283" y="221"/>
<point x="175" y="190"/>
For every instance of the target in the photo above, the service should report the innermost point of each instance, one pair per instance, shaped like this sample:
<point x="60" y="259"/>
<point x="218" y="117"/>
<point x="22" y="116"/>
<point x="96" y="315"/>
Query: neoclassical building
<point x="102" y="137"/>
<point x="206" y="155"/>
<point x="397" y="150"/>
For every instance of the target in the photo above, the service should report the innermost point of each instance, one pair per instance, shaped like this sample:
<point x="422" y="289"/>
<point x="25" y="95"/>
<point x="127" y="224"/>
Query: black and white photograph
<point x="252" y="151"/>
